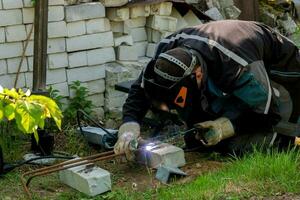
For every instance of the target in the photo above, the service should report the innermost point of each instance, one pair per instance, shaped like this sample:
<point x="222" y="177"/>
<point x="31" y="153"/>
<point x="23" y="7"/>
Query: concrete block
<point x="110" y="92"/>
<point x="56" y="13"/>
<point x="134" y="23"/>
<point x="30" y="63"/>
<point x="85" y="11"/>
<point x="56" y="76"/>
<point x="57" y="29"/>
<point x="29" y="50"/>
<point x="156" y="154"/>
<point x="10" y="17"/>
<point x="113" y="3"/>
<point x="151" y="50"/>
<point x="98" y="25"/>
<point x="140" y="11"/>
<point x="15" y="33"/>
<point x="99" y="113"/>
<point x="83" y="74"/>
<point x="97" y="99"/>
<point x="11" y="50"/>
<point x="191" y="19"/>
<point x="9" y="4"/>
<point x="77" y="59"/>
<point x="88" y="180"/>
<point x="28" y="79"/>
<point x="112" y="103"/>
<point x="101" y="56"/>
<point x="138" y="34"/>
<point x="288" y="25"/>
<point x="2" y="35"/>
<point x="141" y="48"/>
<point x="27" y="3"/>
<point x="13" y="64"/>
<point x="164" y="8"/>
<point x="3" y="67"/>
<point x="181" y="23"/>
<point x="28" y="29"/>
<point x="58" y="60"/>
<point x="123" y="40"/>
<point x="90" y="41"/>
<point x="162" y="23"/>
<point x="56" y="2"/>
<point x="76" y="28"/>
<point x="56" y="45"/>
<point x="127" y="53"/>
<point x="1" y="7"/>
<point x="63" y="88"/>
<point x="157" y="36"/>
<point x="232" y="12"/>
<point x="226" y="3"/>
<point x="96" y="86"/>
<point x="117" y="27"/>
<point x="116" y="73"/>
<point x="214" y="13"/>
<point x="118" y="14"/>
<point x="28" y="15"/>
<point x="8" y="80"/>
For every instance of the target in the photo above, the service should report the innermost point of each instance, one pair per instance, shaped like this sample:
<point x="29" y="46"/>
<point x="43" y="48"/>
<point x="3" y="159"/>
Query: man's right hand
<point x="128" y="134"/>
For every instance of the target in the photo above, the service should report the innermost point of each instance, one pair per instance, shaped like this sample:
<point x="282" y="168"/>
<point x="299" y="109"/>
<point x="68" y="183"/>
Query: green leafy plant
<point x="54" y="94"/>
<point x="29" y="112"/>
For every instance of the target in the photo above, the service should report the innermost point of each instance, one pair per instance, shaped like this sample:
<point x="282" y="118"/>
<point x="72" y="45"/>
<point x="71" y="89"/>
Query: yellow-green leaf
<point x="36" y="135"/>
<point x="9" y="111"/>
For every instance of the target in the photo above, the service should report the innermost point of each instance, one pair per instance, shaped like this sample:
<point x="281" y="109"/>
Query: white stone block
<point x="151" y="48"/>
<point x="56" y="2"/>
<point x="83" y="74"/>
<point x="84" y="11"/>
<point x="30" y="63"/>
<point x="113" y="3"/>
<point x="97" y="99"/>
<point x="58" y="60"/>
<point x="27" y="3"/>
<point x="157" y="36"/>
<point x="214" y="13"/>
<point x="29" y="49"/>
<point x="110" y="92"/>
<point x="15" y="33"/>
<point x="95" y="87"/>
<point x="112" y="103"/>
<point x="127" y="53"/>
<point x="11" y="50"/>
<point x="77" y="59"/>
<point x="56" y="76"/>
<point x="139" y="11"/>
<point x="8" y="80"/>
<point x="164" y="8"/>
<point x="191" y="19"/>
<point x="116" y="73"/>
<point x="12" y="4"/>
<point x="141" y="48"/>
<point x="118" y="14"/>
<point x="138" y="34"/>
<point x="10" y="17"/>
<point x="2" y="35"/>
<point x="3" y="67"/>
<point x="28" y="80"/>
<point x="76" y="28"/>
<point x="181" y="23"/>
<point x="56" y="45"/>
<point x="28" y="15"/>
<point x="134" y="23"/>
<point x="98" y="25"/>
<point x="232" y="12"/>
<point x="99" y="113"/>
<point x="117" y="27"/>
<point x="28" y="29"/>
<point x="56" y="13"/>
<point x="90" y="41"/>
<point x="101" y="56"/>
<point x="57" y="29"/>
<point x="123" y="40"/>
<point x="1" y="6"/>
<point x="13" y="65"/>
<point x="63" y="88"/>
<point x="162" y="23"/>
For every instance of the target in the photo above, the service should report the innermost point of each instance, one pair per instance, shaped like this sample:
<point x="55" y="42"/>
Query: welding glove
<point x="128" y="135"/>
<point x="212" y="132"/>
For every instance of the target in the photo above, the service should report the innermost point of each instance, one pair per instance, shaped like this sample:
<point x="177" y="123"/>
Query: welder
<point x="231" y="80"/>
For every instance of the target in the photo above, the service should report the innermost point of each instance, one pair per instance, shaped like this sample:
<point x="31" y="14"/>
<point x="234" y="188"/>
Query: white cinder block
<point x="63" y="88"/>
<point x="118" y="14"/>
<point x="56" y="45"/>
<point x="191" y="19"/>
<point x="164" y="8"/>
<point x="27" y="3"/>
<point x="28" y="80"/>
<point x="95" y="87"/>
<point x="181" y="23"/>
<point x="30" y="63"/>
<point x="1" y="6"/>
<point x="28" y="15"/>
<point x="98" y="25"/>
<point x="112" y="103"/>
<point x="214" y="13"/>
<point x="84" y="11"/>
<point x="140" y="11"/>
<point x="15" y="33"/>
<point x="141" y="48"/>
<point x="83" y="74"/>
<point x="156" y="36"/>
<point x="9" y="4"/>
<point x="101" y="56"/>
<point x="151" y="50"/>
<point x="162" y="23"/>
<point x="134" y="23"/>
<point x="11" y="50"/>
<point x="56" y="13"/>
<point x="13" y="64"/>
<point x="57" y="29"/>
<point x="113" y="3"/>
<point x="117" y="27"/>
<point x="8" y="80"/>
<point x="138" y="34"/>
<point x="77" y="59"/>
<point x="56" y="2"/>
<point x="97" y="99"/>
<point x="28" y="29"/>
<point x="3" y="67"/>
<point x="29" y="50"/>
<point x="76" y="28"/>
<point x="127" y="53"/>
<point x="123" y="40"/>
<point x="10" y="17"/>
<point x="58" y="60"/>
<point x="90" y="41"/>
<point x="2" y="35"/>
<point x="56" y="76"/>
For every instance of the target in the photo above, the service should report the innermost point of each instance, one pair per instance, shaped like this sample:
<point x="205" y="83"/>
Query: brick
<point x="139" y="11"/>
<point x="101" y="56"/>
<point x="77" y="59"/>
<point x="98" y="25"/>
<point x="117" y="27"/>
<point x="162" y="23"/>
<point x="3" y="67"/>
<point x="97" y="99"/>
<point x="141" y="48"/>
<point x="123" y="40"/>
<point x="56" y="13"/>
<point x="28" y="29"/>
<point x="138" y="34"/>
<point x="127" y="53"/>
<point x="90" y="41"/>
<point x="118" y="14"/>
<point x="164" y="8"/>
<point x="28" y="15"/>
<point x="151" y="50"/>
<point x="9" y="4"/>
<point x="181" y="23"/>
<point x="76" y="28"/>
<point x="191" y="19"/>
<point x="57" y="29"/>
<point x="214" y="13"/>
<point x="58" y="60"/>
<point x="161" y="154"/>
<point x="56" y="45"/>
<point x="56" y="2"/>
<point x="13" y="64"/>
<point x="2" y="35"/>
<point x="8" y="80"/>
<point x="83" y="74"/>
<point x="10" y="17"/>
<point x="10" y="50"/>
<point x="84" y="11"/>
<point x="113" y="3"/>
<point x="63" y="88"/>
<point x="134" y="23"/>
<point x="15" y="33"/>
<point x="56" y="76"/>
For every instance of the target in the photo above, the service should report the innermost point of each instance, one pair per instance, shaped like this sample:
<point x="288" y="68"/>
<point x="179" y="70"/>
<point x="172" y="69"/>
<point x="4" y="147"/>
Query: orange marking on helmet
<point x="181" y="97"/>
